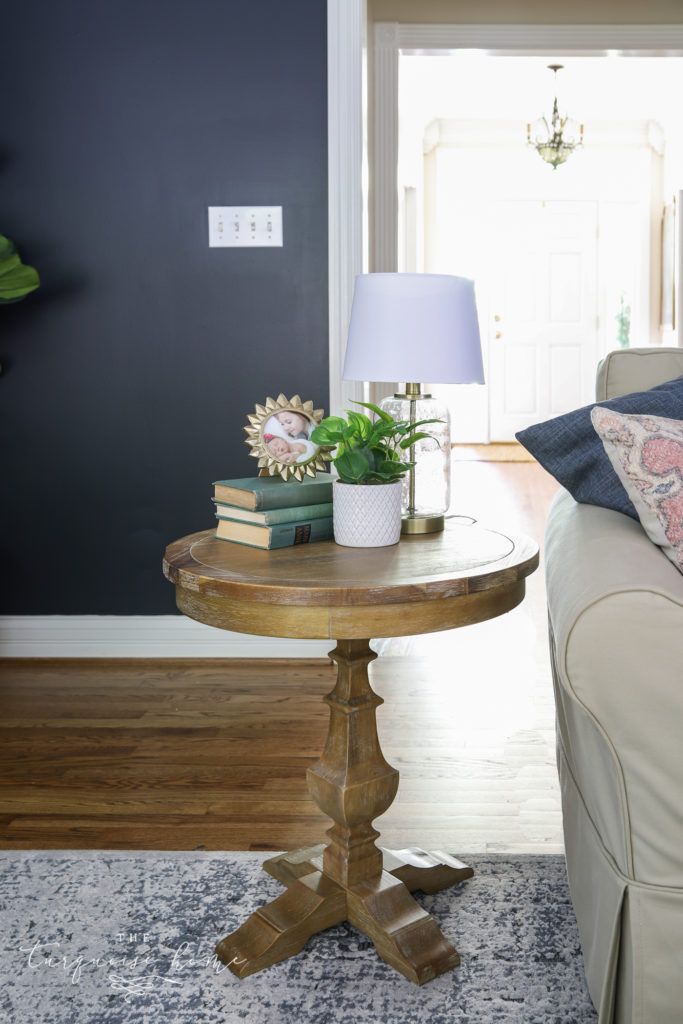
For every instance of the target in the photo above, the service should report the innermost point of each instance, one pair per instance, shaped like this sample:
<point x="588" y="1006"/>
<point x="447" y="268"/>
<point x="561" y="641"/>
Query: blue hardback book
<point x="267" y="492"/>
<point x="274" y="516"/>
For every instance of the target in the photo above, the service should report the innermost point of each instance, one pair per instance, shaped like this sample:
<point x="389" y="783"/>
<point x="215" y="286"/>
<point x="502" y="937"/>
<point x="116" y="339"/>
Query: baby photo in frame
<point x="279" y="435"/>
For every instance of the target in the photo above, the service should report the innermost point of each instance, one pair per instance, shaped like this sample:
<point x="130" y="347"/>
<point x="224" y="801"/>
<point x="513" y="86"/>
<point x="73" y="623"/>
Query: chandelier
<point x="556" y="140"/>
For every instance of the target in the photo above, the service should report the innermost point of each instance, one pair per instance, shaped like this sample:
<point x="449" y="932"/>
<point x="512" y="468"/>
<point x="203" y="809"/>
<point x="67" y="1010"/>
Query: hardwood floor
<point x="168" y="755"/>
<point x="212" y="754"/>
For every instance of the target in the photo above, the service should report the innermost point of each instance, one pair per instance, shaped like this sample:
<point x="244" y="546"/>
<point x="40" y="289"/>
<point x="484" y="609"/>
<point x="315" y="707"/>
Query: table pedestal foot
<point x="404" y="934"/>
<point x="427" y="871"/>
<point x="282" y="928"/>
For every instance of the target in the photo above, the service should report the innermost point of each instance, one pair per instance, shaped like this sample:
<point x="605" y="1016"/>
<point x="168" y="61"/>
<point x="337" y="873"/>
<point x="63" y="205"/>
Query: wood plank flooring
<point x="212" y="754"/>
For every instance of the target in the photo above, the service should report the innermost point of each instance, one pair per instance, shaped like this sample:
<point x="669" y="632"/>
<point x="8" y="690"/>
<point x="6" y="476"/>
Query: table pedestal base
<point x="404" y="934"/>
<point x="351" y="878"/>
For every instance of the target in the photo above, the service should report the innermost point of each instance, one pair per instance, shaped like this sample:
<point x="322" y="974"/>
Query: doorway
<point x="567" y="263"/>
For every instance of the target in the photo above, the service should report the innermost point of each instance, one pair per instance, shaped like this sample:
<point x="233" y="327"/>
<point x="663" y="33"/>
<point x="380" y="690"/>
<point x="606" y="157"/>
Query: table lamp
<point x="410" y="328"/>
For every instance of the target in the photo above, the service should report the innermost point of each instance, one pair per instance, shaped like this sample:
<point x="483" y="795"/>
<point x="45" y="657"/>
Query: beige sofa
<point x="616" y="624"/>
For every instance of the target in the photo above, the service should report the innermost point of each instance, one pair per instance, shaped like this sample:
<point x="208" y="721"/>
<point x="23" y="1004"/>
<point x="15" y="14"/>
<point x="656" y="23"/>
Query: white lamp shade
<point x="414" y="327"/>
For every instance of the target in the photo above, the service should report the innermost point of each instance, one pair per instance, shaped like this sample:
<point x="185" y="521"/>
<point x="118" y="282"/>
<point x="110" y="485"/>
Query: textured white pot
<point x="367" y="515"/>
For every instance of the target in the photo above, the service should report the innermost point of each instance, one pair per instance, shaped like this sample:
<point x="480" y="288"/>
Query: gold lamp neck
<point x="413" y="392"/>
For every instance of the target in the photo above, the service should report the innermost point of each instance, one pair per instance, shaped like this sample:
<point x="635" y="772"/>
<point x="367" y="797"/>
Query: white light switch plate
<point x="245" y="226"/>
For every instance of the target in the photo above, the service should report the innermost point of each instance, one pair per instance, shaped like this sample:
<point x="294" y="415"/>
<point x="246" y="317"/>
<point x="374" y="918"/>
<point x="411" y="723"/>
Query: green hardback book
<point x="258" y="493"/>
<point x="282" y="535"/>
<point x="274" y="516"/>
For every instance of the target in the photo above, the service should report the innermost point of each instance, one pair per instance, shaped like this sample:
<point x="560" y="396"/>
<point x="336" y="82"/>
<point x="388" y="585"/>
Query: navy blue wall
<point x="127" y="377"/>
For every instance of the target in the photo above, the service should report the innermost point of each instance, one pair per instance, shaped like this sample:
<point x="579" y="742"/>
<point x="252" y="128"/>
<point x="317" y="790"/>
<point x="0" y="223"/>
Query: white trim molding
<point x="140" y="636"/>
<point x="346" y="21"/>
<point x="383" y="197"/>
<point x="619" y="40"/>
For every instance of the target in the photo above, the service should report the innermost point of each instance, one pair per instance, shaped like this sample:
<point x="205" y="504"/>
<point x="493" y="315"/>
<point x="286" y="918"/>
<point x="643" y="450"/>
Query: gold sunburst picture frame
<point x="278" y="434"/>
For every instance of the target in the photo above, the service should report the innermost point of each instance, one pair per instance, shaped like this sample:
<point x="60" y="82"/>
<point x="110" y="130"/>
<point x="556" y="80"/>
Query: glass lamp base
<point x="426" y="486"/>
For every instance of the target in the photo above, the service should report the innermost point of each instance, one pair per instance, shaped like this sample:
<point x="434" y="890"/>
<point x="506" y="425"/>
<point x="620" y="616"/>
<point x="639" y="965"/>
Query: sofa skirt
<point x="631" y="933"/>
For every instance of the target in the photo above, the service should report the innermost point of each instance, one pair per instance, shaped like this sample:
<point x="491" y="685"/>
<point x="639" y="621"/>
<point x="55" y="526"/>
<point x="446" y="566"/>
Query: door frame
<point x="353" y="45"/>
<point x="346" y="117"/>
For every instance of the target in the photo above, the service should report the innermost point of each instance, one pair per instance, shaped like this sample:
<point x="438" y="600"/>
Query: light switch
<point x="248" y="226"/>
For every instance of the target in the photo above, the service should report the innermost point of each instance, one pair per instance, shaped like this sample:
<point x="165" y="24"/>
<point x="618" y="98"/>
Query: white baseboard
<point x="140" y="636"/>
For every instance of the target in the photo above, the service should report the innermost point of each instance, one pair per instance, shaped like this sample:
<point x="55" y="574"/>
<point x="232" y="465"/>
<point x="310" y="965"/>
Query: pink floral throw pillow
<point x="647" y="455"/>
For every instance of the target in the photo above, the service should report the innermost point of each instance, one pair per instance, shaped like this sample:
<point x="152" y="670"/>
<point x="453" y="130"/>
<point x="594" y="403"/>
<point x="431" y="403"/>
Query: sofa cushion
<point x="647" y="455"/>
<point x="569" y="448"/>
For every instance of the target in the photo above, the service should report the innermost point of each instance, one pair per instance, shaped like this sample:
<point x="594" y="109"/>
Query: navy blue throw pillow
<point x="569" y="448"/>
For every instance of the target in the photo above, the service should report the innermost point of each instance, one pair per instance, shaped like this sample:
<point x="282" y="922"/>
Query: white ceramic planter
<point x="367" y="515"/>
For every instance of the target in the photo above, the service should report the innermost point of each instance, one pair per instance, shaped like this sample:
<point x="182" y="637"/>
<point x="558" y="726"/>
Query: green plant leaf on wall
<point x="16" y="278"/>
<point x="7" y="247"/>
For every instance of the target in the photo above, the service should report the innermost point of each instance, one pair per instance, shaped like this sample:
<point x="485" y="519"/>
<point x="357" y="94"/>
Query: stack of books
<point x="265" y="512"/>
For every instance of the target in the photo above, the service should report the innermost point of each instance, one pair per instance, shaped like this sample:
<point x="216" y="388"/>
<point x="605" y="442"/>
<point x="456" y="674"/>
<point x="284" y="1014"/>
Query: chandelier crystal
<point x="555" y="140"/>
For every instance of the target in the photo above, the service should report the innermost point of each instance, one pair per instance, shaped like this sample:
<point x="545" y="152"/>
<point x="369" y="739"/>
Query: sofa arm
<point x="636" y="369"/>
<point x="616" y="614"/>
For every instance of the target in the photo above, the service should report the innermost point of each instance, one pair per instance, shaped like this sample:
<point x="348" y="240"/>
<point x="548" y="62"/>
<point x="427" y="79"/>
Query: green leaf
<point x="394" y="469"/>
<point x="18" y="282"/>
<point x="382" y="454"/>
<point x="327" y="438"/>
<point x="381" y="434"/>
<point x="379" y="478"/>
<point x="377" y="411"/>
<point x="7" y="247"/>
<point x="412" y="439"/>
<point x="423" y="423"/>
<point x="16" y="279"/>
<point x="334" y="423"/>
<point x="352" y="466"/>
<point x="9" y="264"/>
<point x="361" y="424"/>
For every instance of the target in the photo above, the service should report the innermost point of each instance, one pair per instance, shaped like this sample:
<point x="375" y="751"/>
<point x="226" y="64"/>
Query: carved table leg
<point x="352" y="783"/>
<point x="282" y="928"/>
<point x="351" y="878"/>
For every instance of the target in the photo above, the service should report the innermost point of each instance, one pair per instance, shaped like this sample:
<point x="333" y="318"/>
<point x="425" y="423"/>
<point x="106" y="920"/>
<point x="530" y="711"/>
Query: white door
<point x="543" y="326"/>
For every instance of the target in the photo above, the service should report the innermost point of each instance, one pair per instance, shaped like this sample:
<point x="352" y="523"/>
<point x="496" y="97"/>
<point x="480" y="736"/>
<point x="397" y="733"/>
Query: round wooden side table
<point x="425" y="583"/>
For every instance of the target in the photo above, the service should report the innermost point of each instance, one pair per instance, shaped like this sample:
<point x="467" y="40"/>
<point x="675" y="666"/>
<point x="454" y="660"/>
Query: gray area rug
<point x="127" y="938"/>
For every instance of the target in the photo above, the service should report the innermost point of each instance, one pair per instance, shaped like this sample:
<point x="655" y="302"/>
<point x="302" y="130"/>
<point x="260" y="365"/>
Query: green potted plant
<point x="369" y="457"/>
<point x="16" y="278"/>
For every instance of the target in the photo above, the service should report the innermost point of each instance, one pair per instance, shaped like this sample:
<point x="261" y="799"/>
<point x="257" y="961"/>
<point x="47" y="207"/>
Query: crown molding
<point x="520" y="39"/>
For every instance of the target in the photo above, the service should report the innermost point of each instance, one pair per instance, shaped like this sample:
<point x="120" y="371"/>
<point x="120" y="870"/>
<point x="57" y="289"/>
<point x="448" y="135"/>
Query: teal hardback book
<point x="282" y="535"/>
<point x="274" y="516"/>
<point x="259" y="493"/>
